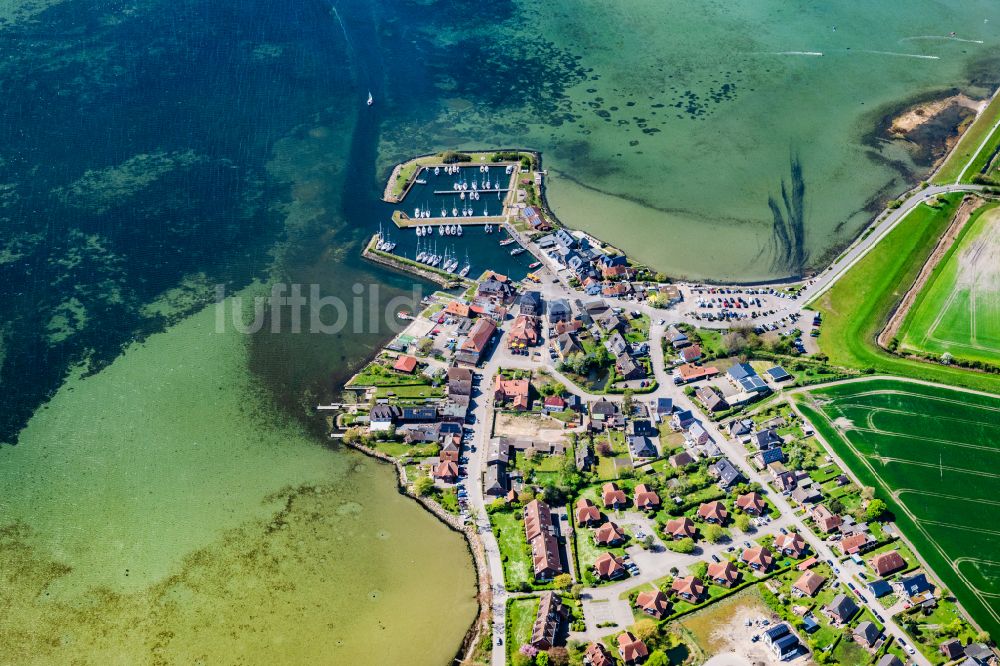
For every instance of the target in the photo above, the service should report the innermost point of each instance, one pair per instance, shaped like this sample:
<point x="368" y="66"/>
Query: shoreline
<point x="483" y="590"/>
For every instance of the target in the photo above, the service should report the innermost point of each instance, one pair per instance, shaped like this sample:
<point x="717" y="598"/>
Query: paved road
<point x="826" y="279"/>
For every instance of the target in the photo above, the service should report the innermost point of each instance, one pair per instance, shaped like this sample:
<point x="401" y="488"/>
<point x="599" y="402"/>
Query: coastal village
<point x="634" y="482"/>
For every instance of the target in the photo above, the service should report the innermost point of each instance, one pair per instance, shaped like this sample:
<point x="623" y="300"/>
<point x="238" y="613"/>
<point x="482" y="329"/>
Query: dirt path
<point x="969" y="205"/>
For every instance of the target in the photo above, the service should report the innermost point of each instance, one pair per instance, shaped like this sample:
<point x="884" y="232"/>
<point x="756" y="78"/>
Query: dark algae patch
<point x="134" y="171"/>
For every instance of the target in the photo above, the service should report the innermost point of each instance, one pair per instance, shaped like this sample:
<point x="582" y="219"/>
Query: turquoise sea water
<point x="176" y="478"/>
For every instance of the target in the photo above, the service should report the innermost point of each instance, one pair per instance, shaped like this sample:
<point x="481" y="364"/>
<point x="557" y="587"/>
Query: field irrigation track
<point x="958" y="310"/>
<point x="933" y="453"/>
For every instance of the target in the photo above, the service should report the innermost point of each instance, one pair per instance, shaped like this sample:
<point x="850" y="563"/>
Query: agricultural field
<point x="857" y="307"/>
<point x="933" y="453"/>
<point x="958" y="310"/>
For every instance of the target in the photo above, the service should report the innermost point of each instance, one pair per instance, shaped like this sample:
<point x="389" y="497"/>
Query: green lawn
<point x="958" y="311"/>
<point x="412" y="392"/>
<point x="401" y="449"/>
<point x="520" y="619"/>
<point x="968" y="147"/>
<point x="509" y="531"/>
<point x="932" y="454"/>
<point x="857" y="307"/>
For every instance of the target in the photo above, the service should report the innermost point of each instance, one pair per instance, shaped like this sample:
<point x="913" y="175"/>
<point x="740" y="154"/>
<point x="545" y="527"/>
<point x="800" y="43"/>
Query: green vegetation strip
<point x="858" y="306"/>
<point x="929" y="451"/>
<point x="969" y="145"/>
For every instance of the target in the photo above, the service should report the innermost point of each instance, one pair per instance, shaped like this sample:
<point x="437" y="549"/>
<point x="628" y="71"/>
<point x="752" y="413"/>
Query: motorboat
<point x="437" y="170"/>
<point x="516" y="251"/>
<point x="458" y="230"/>
<point x="371" y="100"/>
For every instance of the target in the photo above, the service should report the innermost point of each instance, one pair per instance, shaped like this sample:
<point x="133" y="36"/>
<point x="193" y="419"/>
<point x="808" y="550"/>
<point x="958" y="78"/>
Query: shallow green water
<point x="227" y="534"/>
<point x="683" y="121"/>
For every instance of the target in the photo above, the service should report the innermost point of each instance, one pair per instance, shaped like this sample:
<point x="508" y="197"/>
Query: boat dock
<point x="459" y="192"/>
<point x="404" y="221"/>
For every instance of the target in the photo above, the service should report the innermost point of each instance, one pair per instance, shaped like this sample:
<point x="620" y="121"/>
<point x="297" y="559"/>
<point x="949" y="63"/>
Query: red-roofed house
<point x="405" y="364"/>
<point x="653" y="602"/>
<point x="751" y="503"/>
<point x="690" y="354"/>
<point x="809" y="583"/>
<point x="886" y="563"/>
<point x="609" y="534"/>
<point x="587" y="513"/>
<point x="523" y="332"/>
<point x="554" y="403"/>
<point x="457" y="309"/>
<point x="680" y="528"/>
<point x="479" y="338"/>
<point x="613" y="496"/>
<point x="758" y="559"/>
<point x="723" y="573"/>
<point x="854" y="543"/>
<point x="598" y="655"/>
<point x="713" y="512"/>
<point x="631" y="649"/>
<point x="447" y="471"/>
<point x="513" y="391"/>
<point x="690" y="589"/>
<point x="826" y="521"/>
<point x="691" y="373"/>
<point x="609" y="566"/>
<point x="791" y="544"/>
<point x="646" y="498"/>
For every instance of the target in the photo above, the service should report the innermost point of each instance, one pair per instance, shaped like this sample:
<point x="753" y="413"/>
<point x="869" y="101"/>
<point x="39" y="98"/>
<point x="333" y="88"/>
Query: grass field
<point x="968" y="148"/>
<point x="934" y="454"/>
<point x="858" y="306"/>
<point x="520" y="620"/>
<point x="958" y="310"/>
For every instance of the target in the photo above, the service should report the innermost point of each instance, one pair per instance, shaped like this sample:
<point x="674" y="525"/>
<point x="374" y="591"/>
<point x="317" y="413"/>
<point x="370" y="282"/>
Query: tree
<point x="684" y="546"/>
<point x="742" y="522"/>
<point x="628" y="404"/>
<point x="521" y="659"/>
<point x="558" y="656"/>
<point x="604" y="448"/>
<point x="875" y="509"/>
<point x="836" y="506"/>
<point x="713" y="533"/>
<point x="425" y="346"/>
<point x="645" y="629"/>
<point x="658" y="658"/>
<point x="353" y="436"/>
<point x="983" y="637"/>
<point x="542" y="659"/>
<point x="424" y="486"/>
<point x="563" y="581"/>
<point x="867" y="493"/>
<point x="700" y="570"/>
